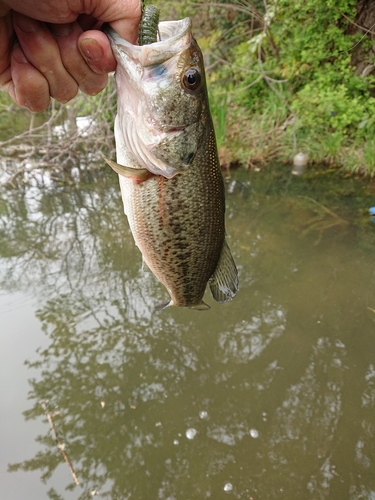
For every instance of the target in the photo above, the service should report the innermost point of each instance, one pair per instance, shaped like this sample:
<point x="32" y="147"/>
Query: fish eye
<point x="191" y="80"/>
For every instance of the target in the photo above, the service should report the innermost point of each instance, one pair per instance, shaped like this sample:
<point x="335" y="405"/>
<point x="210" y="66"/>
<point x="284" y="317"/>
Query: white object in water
<point x="300" y="162"/>
<point x="254" y="433"/>
<point x="228" y="487"/>
<point x="191" y="433"/>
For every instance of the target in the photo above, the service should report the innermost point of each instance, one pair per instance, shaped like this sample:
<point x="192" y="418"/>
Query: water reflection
<point x="269" y="396"/>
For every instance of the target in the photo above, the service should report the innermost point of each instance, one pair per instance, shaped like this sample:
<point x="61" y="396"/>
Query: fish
<point x="169" y="172"/>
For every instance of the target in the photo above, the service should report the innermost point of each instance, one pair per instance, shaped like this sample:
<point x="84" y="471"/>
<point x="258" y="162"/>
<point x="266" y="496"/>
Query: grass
<point x="273" y="136"/>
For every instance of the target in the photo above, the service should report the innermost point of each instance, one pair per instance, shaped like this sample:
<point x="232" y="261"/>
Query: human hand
<point x="51" y="48"/>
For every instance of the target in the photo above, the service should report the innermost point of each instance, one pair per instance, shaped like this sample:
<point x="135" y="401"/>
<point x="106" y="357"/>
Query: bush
<point x="297" y="60"/>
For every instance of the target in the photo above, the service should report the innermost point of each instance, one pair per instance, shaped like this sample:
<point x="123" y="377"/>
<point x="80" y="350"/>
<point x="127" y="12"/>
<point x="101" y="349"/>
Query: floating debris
<point x="228" y="487"/>
<point x="254" y="433"/>
<point x="300" y="162"/>
<point x="191" y="433"/>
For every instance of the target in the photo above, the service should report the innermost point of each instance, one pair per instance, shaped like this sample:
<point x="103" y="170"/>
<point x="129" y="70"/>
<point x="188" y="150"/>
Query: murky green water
<point x="271" y="396"/>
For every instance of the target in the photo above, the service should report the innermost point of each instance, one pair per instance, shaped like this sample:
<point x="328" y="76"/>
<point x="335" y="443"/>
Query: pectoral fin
<point x="163" y="306"/>
<point x="138" y="174"/>
<point x="145" y="267"/>
<point x="224" y="281"/>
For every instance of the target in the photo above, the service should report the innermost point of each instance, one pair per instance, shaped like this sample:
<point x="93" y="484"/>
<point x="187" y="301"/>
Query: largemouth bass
<point x="169" y="172"/>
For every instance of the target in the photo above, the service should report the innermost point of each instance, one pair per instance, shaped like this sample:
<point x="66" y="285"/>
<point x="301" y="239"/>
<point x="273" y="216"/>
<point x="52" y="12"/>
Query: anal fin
<point x="224" y="281"/>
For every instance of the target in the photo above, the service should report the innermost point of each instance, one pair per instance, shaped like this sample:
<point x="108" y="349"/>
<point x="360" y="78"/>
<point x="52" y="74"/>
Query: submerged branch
<point x="320" y="223"/>
<point x="60" y="445"/>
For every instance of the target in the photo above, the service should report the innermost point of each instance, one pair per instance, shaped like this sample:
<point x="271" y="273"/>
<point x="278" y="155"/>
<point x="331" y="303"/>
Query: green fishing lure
<point x="148" y="28"/>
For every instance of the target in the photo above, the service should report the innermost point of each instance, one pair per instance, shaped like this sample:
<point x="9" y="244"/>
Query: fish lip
<point x="175" y="37"/>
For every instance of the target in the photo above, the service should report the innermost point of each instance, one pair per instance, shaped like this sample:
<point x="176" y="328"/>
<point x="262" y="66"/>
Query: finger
<point x="89" y="81"/>
<point x="96" y="50"/>
<point x="27" y="87"/>
<point x="124" y="17"/>
<point x="42" y="51"/>
<point x="127" y="28"/>
<point x="4" y="9"/>
<point x="6" y="32"/>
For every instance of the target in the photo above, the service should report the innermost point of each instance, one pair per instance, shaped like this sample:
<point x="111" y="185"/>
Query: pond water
<point x="269" y="396"/>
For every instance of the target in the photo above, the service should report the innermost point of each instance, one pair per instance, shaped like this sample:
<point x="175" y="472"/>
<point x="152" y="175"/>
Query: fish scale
<point x="170" y="177"/>
<point x="179" y="239"/>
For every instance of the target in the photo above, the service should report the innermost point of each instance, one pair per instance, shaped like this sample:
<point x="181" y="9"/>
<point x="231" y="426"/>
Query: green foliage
<point x="13" y="119"/>
<point x="325" y="108"/>
<point x="5" y="100"/>
<point x="298" y="60"/>
<point x="281" y="76"/>
<point x="219" y="112"/>
<point x="315" y="56"/>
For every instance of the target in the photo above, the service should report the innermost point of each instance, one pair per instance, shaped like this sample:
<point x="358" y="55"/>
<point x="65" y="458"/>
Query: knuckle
<point x="34" y="96"/>
<point x="36" y="105"/>
<point x="64" y="94"/>
<point x="92" y="86"/>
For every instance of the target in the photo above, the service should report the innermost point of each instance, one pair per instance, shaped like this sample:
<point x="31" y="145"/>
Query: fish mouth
<point x="175" y="36"/>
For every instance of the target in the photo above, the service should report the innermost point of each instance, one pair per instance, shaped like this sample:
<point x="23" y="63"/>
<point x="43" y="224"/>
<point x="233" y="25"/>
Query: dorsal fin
<point x="224" y="281"/>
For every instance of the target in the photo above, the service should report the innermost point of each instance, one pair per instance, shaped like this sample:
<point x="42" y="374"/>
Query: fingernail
<point x="90" y="49"/>
<point x="26" y="24"/>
